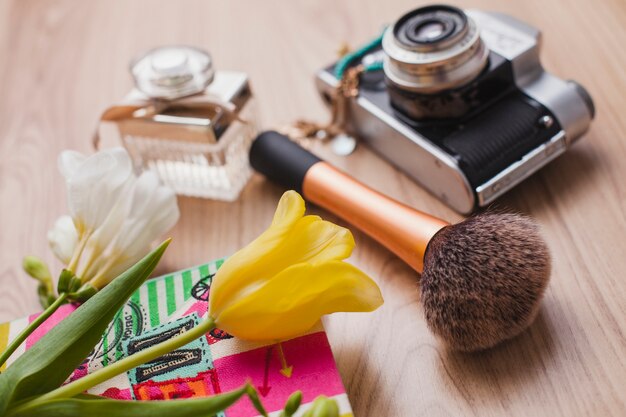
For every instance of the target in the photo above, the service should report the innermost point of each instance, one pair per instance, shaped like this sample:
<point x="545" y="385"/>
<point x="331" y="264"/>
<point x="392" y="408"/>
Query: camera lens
<point x="427" y="32"/>
<point x="432" y="49"/>
<point x="429" y="27"/>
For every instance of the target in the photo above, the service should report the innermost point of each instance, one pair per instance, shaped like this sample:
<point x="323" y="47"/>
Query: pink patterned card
<point x="163" y="306"/>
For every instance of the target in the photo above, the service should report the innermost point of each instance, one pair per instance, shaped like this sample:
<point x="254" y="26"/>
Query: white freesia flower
<point x="94" y="184"/>
<point x="116" y="215"/>
<point x="152" y="210"/>
<point x="63" y="238"/>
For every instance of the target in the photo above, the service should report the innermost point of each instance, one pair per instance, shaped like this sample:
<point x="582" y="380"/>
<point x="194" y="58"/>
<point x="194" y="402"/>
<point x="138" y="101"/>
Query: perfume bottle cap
<point x="172" y="72"/>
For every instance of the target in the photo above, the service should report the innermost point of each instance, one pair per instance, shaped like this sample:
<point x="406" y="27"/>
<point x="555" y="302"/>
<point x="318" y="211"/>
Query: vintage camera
<point x="462" y="103"/>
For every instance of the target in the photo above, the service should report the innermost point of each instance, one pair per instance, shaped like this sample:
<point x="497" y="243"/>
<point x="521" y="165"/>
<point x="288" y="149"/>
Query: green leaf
<point x="255" y="400"/>
<point x="51" y="361"/>
<point x="292" y="404"/>
<point x="87" y="396"/>
<point x="75" y="407"/>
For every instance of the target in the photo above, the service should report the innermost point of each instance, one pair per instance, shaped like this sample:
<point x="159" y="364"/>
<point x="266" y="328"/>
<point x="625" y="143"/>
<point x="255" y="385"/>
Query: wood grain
<point x="63" y="62"/>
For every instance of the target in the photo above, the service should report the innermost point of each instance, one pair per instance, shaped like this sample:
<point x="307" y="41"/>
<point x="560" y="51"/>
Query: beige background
<point x="63" y="62"/>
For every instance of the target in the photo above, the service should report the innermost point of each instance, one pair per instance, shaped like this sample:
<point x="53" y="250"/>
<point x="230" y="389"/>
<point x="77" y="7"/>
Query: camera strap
<point x="338" y="128"/>
<point x="346" y="89"/>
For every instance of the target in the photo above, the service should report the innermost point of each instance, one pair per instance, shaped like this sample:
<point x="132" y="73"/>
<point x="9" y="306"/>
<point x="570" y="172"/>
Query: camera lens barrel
<point x="433" y="49"/>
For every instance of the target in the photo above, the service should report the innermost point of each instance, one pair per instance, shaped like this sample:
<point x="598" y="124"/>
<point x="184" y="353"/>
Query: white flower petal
<point x="160" y="213"/>
<point x="160" y="224"/>
<point x="95" y="186"/>
<point x="142" y="203"/>
<point x="69" y="161"/>
<point x="112" y="224"/>
<point x="63" y="238"/>
<point x="154" y="212"/>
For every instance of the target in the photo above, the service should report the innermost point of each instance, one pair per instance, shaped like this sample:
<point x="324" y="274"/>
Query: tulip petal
<point x="63" y="239"/>
<point x="291" y="239"/>
<point x="315" y="240"/>
<point x="290" y="208"/>
<point x="242" y="267"/>
<point x="292" y="302"/>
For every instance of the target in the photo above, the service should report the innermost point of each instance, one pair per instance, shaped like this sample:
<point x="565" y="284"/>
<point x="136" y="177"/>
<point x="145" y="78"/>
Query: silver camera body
<point x="495" y="130"/>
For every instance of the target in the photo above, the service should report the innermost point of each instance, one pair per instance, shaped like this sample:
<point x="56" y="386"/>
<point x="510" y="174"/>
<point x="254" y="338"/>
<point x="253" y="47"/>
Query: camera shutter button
<point x="546" y="121"/>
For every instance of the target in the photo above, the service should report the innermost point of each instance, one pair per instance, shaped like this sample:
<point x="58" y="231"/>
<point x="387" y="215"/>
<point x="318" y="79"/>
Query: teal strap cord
<point x="343" y="64"/>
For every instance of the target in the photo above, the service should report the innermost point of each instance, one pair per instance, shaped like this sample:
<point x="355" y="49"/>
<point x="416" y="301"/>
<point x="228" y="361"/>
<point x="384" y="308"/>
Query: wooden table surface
<point x="63" y="62"/>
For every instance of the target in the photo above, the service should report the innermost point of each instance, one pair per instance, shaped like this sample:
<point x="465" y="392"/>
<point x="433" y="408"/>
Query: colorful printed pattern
<point x="165" y="306"/>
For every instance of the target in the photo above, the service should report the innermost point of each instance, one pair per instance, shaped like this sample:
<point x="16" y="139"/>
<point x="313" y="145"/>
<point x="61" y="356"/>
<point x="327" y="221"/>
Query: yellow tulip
<point x="280" y="285"/>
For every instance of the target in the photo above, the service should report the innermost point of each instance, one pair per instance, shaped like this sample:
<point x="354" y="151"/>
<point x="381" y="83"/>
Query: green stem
<point x="31" y="328"/>
<point x="129" y="362"/>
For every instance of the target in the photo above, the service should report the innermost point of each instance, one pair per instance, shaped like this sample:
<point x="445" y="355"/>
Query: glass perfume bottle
<point x="190" y="124"/>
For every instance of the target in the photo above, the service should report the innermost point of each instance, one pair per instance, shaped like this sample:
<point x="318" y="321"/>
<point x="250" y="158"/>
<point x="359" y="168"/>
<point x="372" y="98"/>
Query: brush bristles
<point x="483" y="280"/>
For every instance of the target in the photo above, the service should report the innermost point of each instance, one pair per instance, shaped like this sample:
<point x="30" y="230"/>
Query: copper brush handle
<point x="400" y="228"/>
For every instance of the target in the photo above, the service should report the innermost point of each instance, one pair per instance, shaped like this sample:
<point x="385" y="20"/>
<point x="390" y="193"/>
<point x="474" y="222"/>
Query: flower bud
<point x="323" y="407"/>
<point x="292" y="404"/>
<point x="279" y="286"/>
<point x="36" y="268"/>
<point x="65" y="281"/>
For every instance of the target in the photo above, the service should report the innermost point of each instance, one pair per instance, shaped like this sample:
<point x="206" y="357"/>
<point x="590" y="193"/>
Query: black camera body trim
<point x="501" y="127"/>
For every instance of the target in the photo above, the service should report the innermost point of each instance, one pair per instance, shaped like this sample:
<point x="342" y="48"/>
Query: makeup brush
<point x="481" y="279"/>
